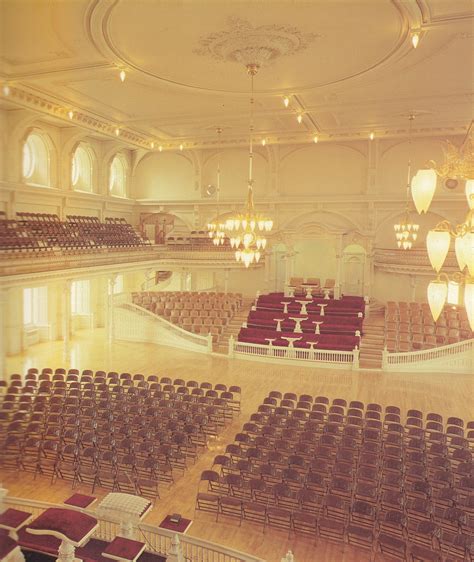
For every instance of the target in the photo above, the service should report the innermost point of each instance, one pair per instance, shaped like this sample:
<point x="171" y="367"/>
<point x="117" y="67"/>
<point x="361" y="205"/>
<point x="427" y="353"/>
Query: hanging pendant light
<point x="437" y="243"/>
<point x="437" y="294"/>
<point x="469" y="301"/>
<point x="216" y="230"/>
<point x="247" y="229"/>
<point x="469" y="190"/>
<point x="406" y="231"/>
<point x="423" y="187"/>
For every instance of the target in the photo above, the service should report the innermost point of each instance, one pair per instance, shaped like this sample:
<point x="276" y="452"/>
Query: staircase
<point x="372" y="342"/>
<point x="233" y="328"/>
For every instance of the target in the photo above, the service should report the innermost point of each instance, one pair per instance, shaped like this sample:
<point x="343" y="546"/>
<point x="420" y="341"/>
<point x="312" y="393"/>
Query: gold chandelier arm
<point x="446" y="226"/>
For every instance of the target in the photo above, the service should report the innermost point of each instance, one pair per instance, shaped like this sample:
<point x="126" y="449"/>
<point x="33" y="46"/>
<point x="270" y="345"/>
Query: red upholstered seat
<point x="7" y="546"/>
<point x="122" y="548"/>
<point x="46" y="544"/>
<point x="72" y="524"/>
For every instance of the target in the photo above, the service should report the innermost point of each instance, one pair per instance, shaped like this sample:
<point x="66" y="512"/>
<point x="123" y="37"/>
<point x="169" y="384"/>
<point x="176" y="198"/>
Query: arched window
<point x="117" y="180"/>
<point x="82" y="168"/>
<point x="35" y="160"/>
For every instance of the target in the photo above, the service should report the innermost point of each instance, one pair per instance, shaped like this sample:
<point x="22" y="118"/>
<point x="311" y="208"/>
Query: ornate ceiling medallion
<point x="261" y="45"/>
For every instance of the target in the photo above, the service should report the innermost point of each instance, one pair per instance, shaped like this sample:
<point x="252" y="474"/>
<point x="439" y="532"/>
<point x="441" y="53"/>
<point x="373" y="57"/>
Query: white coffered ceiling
<point x="349" y="66"/>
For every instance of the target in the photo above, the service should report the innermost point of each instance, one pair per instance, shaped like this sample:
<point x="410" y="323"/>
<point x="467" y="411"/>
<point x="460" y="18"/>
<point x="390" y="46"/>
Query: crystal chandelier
<point x="458" y="164"/>
<point x="215" y="229"/>
<point x="247" y="229"/>
<point x="445" y="289"/>
<point x="406" y="231"/>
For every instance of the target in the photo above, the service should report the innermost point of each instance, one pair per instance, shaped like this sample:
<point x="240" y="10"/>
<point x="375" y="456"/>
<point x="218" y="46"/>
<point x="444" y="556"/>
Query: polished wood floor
<point x="446" y="394"/>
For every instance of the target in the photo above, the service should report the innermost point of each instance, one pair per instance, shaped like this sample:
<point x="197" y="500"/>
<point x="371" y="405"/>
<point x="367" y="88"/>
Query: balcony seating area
<point x="122" y="432"/>
<point x="311" y="286"/>
<point x="38" y="233"/>
<point x="400" y="484"/>
<point x="409" y="326"/>
<point x="197" y="240"/>
<point x="200" y="313"/>
<point x="43" y="537"/>
<point x="317" y="323"/>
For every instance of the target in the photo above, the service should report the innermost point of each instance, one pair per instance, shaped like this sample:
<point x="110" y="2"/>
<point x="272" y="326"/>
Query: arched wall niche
<point x="393" y="164"/>
<point x="38" y="158"/>
<point x="234" y="166"/>
<point x="84" y="178"/>
<point x="316" y="170"/>
<point x="164" y="176"/>
<point x="118" y="178"/>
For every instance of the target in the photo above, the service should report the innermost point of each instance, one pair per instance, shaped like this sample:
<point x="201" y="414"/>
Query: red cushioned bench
<point x="324" y="341"/>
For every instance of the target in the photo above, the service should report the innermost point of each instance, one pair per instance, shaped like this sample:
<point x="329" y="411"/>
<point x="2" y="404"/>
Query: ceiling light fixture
<point x="315" y="139"/>
<point x="70" y="114"/>
<point x="117" y="132"/>
<point x="122" y="75"/>
<point x="299" y="118"/>
<point x="406" y="231"/>
<point x="458" y="164"/>
<point x="264" y="142"/>
<point x="246" y="229"/>
<point x="372" y="136"/>
<point x="6" y="89"/>
<point x="415" y="39"/>
<point x="160" y="148"/>
<point x="152" y="145"/>
<point x="216" y="230"/>
<point x="286" y="101"/>
<point x="181" y="147"/>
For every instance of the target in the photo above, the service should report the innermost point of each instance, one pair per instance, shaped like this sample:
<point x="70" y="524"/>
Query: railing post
<point x="384" y="358"/>
<point x="355" y="360"/>
<point x="367" y="307"/>
<point x="175" y="553"/>
<point x="66" y="552"/>
<point x="209" y="343"/>
<point x="231" y="346"/>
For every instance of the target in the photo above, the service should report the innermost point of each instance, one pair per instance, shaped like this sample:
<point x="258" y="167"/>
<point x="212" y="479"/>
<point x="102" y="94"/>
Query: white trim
<point x="157" y="538"/>
<point x="134" y="323"/>
<point x="453" y="358"/>
<point x="326" y="358"/>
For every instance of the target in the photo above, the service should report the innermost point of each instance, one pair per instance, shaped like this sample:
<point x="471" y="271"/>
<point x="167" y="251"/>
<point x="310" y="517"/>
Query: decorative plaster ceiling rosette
<point x="246" y="44"/>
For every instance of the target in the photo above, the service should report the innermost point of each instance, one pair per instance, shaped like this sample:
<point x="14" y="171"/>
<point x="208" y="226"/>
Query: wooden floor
<point x="446" y="394"/>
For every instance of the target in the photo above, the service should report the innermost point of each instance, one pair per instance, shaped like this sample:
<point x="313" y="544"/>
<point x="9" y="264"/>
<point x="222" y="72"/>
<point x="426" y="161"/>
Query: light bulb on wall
<point x="299" y="118"/>
<point x="286" y="101"/>
<point x="264" y="142"/>
<point x="372" y="136"/>
<point x="70" y="114"/>
<point x="6" y="89"/>
<point x="152" y="144"/>
<point x="117" y="132"/>
<point x="315" y="139"/>
<point x="181" y="147"/>
<point x="122" y="75"/>
<point x="415" y="39"/>
<point x="160" y="148"/>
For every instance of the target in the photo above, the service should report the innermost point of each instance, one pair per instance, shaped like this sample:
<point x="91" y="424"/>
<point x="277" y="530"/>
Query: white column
<point x="66" y="315"/>
<point x="337" y="288"/>
<point x="369" y="270"/>
<point x="111" y="280"/>
<point x="14" y="321"/>
<point x="226" y="281"/>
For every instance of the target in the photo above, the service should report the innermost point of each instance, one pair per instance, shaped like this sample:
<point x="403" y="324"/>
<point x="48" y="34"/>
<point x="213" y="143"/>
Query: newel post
<point x="231" y="346"/>
<point x="384" y="358"/>
<point x="355" y="361"/>
<point x="209" y="343"/>
<point x="175" y="553"/>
